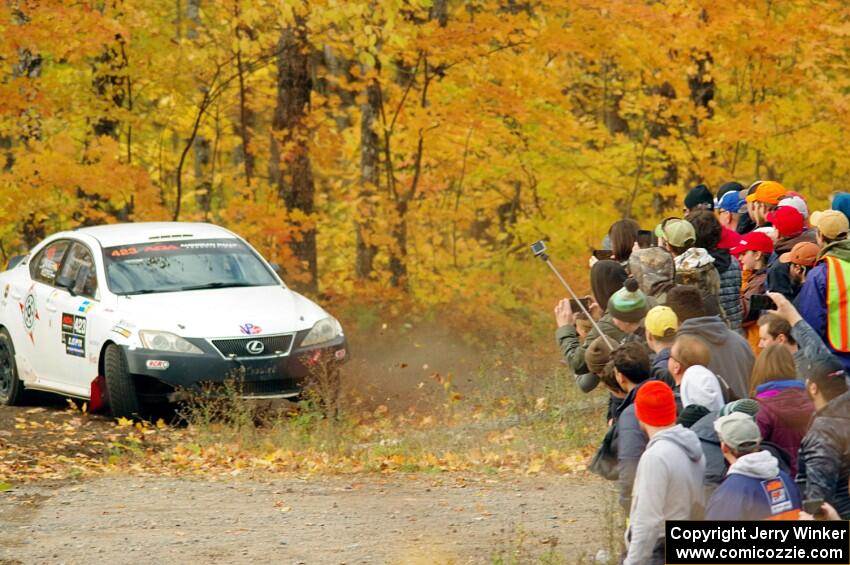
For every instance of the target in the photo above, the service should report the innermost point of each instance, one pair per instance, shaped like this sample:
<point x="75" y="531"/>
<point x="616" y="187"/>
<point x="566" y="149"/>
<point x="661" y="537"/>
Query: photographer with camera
<point x="606" y="277"/>
<point x="785" y="326"/>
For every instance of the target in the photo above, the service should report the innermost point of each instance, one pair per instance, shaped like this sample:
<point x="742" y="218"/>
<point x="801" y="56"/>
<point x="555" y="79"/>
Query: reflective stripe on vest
<point x="837" y="311"/>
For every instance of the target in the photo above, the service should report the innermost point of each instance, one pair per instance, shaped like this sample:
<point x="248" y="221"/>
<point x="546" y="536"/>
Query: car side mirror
<point x="14" y="262"/>
<point x="80" y="282"/>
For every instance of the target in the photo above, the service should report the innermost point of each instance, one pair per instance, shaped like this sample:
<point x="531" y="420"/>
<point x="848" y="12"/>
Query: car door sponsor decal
<point x="74" y="345"/>
<point x="85" y="306"/>
<point x="74" y="334"/>
<point x="122" y="331"/>
<point x="250" y="329"/>
<point x="124" y="328"/>
<point x="29" y="311"/>
<point x="67" y="323"/>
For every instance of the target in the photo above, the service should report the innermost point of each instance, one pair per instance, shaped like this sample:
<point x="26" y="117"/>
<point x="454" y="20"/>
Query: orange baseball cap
<point x="769" y="192"/>
<point x="804" y="253"/>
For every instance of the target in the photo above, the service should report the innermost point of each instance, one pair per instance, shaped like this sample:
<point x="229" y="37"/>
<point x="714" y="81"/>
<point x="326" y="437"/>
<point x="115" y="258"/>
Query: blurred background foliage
<point x="402" y="154"/>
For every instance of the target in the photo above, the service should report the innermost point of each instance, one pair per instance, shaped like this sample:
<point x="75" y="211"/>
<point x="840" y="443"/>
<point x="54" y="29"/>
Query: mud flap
<point x="97" y="400"/>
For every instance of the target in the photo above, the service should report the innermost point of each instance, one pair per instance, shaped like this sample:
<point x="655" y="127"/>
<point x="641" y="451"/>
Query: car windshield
<point x="184" y="265"/>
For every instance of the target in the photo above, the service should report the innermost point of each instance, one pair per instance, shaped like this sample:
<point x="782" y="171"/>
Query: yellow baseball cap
<point x="831" y="223"/>
<point x="661" y="321"/>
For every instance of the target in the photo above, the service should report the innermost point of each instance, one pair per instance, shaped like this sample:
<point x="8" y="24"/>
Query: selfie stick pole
<point x="564" y="282"/>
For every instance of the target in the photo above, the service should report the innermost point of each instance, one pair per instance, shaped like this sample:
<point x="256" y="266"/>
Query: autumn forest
<point x="412" y="146"/>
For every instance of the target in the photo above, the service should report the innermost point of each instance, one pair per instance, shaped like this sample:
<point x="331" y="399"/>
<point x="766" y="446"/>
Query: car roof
<point x="111" y="235"/>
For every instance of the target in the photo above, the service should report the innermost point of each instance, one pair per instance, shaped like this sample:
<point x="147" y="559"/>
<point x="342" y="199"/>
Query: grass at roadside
<point x="514" y="422"/>
<point x="510" y="422"/>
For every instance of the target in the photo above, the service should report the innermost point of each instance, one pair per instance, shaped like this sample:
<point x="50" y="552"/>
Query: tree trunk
<point x="369" y="179"/>
<point x="110" y="84"/>
<point x="290" y="158"/>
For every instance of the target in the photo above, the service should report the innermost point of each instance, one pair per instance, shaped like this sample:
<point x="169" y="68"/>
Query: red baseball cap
<point x="754" y="241"/>
<point x="787" y="220"/>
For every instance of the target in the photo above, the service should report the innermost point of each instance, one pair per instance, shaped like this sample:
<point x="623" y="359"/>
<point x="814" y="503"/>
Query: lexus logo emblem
<point x="255" y="347"/>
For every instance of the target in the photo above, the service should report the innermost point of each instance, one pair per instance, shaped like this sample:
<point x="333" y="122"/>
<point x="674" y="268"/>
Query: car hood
<point x="222" y="312"/>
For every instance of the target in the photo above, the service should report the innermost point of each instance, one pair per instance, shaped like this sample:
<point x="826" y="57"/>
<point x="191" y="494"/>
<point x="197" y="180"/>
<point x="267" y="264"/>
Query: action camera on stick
<point x="538" y="248"/>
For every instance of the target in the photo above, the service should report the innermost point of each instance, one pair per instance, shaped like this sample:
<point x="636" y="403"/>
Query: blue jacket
<point x="659" y="370"/>
<point x="811" y="302"/>
<point x="758" y="493"/>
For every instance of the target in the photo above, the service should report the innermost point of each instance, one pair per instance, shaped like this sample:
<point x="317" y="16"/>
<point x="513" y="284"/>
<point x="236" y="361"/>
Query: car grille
<point x="273" y="346"/>
<point x="269" y="387"/>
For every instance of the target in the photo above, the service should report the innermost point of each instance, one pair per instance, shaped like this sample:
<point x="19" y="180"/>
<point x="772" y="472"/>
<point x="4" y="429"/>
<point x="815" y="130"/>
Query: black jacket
<point x="779" y="273"/>
<point x="824" y="462"/>
<point x="631" y="443"/>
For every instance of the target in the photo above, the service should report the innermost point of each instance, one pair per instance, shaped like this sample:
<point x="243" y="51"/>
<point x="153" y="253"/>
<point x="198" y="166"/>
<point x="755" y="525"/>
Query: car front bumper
<point x="272" y="377"/>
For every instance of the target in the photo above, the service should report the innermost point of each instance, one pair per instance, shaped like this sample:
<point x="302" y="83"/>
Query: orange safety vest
<point x="837" y="308"/>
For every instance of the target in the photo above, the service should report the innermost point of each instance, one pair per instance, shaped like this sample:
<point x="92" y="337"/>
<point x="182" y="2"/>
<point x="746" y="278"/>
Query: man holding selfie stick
<point x="785" y="326"/>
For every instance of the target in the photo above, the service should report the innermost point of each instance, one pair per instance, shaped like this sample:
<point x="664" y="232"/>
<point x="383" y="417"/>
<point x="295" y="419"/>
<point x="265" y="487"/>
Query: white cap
<point x="797" y="203"/>
<point x="701" y="387"/>
<point x="769" y="231"/>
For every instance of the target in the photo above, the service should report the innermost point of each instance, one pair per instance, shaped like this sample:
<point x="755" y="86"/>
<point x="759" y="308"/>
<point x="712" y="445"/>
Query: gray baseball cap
<point x="738" y="430"/>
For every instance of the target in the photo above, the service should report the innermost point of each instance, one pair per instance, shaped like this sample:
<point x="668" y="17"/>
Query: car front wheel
<point x="11" y="387"/>
<point x="120" y="388"/>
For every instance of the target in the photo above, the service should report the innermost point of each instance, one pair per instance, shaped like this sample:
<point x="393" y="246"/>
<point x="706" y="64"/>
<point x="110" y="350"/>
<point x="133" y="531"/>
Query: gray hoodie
<point x="731" y="355"/>
<point x="810" y="348"/>
<point x="758" y="465"/>
<point x="668" y="486"/>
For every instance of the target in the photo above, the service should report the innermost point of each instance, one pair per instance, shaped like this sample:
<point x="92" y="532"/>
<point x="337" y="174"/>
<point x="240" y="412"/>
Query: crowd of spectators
<point x="723" y="342"/>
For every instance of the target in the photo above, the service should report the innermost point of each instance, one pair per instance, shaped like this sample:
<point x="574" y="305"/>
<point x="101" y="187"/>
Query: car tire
<point x="120" y="388"/>
<point x="11" y="387"/>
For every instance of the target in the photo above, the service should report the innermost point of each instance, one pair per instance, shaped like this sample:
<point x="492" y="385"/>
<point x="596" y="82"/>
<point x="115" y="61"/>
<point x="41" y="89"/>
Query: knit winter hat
<point x="746" y="406"/>
<point x="597" y="355"/>
<point x="628" y="304"/>
<point x="699" y="197"/>
<point x="655" y="405"/>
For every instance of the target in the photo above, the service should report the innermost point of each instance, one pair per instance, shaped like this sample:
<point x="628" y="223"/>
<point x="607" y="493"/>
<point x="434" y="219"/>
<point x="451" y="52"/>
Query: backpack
<point x="604" y="461"/>
<point x="728" y="394"/>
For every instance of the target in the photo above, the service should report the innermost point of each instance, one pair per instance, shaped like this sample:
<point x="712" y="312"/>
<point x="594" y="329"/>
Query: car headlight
<point x="324" y="330"/>
<point x="167" y="341"/>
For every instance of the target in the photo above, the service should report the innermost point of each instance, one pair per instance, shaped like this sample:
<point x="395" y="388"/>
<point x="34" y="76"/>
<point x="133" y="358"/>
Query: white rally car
<point x="128" y="313"/>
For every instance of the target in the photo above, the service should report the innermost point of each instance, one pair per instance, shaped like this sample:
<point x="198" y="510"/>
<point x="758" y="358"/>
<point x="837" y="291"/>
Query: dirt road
<point x="360" y="519"/>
